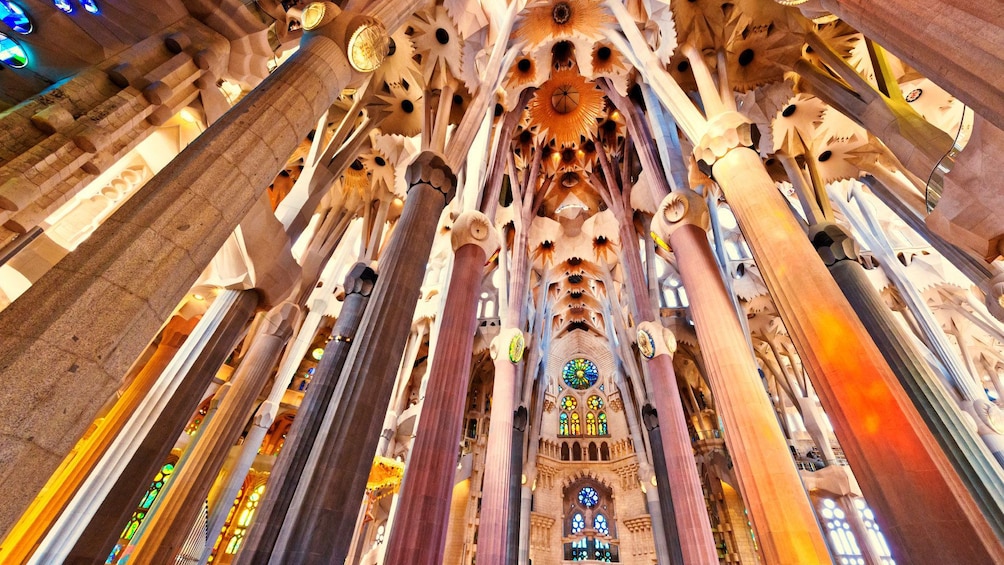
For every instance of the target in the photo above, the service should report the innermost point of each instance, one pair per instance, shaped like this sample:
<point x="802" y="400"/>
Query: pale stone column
<point x="883" y="436"/>
<point x="322" y="531"/>
<point x="142" y="261"/>
<point x="693" y="527"/>
<point x="311" y="418"/>
<point x="777" y="503"/>
<point x="166" y="529"/>
<point x="506" y="351"/>
<point x="93" y="520"/>
<point x="961" y="49"/>
<point x="419" y="533"/>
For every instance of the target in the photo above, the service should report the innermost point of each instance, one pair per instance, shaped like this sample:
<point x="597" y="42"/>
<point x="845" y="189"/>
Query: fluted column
<point x="321" y="532"/>
<point x="93" y="520"/>
<point x="779" y="508"/>
<point x="693" y="527"/>
<point x="506" y="351"/>
<point x="143" y="260"/>
<point x="166" y="529"/>
<point x="662" y="510"/>
<point x="885" y="440"/>
<point x="423" y="512"/>
<point x="311" y="418"/>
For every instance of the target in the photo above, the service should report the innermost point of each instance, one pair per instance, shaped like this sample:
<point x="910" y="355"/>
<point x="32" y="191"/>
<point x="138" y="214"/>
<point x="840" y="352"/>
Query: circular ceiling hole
<point x="524" y="65"/>
<point x="789" y="110"/>
<point x="825" y="156"/>
<point x="442" y="36"/>
<point x="603" y="53"/>
<point x="746" y="57"/>
<point x="408" y="106"/>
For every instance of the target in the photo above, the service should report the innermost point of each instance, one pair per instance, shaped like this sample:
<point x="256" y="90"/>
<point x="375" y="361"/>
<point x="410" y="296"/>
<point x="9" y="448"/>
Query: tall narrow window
<point x="13" y="15"/>
<point x="600" y="525"/>
<point x="602" y="424"/>
<point x="563" y="429"/>
<point x="575" y="424"/>
<point x="244" y="519"/>
<point x="590" y="424"/>
<point x="842" y="541"/>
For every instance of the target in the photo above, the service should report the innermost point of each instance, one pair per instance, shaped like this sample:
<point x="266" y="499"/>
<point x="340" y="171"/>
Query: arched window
<point x="588" y="522"/>
<point x="590" y="424"/>
<point x="159" y="480"/>
<point x="11" y="53"/>
<point x="874" y="533"/>
<point x="563" y="429"/>
<point x="604" y="452"/>
<point x="842" y="541"/>
<point x="565" y="453"/>
<point x="602" y="425"/>
<point x="600" y="525"/>
<point x="594" y="454"/>
<point x="14" y="17"/>
<point x="576" y="452"/>
<point x="244" y="519"/>
<point x="578" y="523"/>
<point x="575" y="424"/>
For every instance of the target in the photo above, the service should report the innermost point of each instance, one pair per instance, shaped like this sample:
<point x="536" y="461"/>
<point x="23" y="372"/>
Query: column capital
<point x="360" y="280"/>
<point x="430" y="169"/>
<point x="680" y="208"/>
<point x="655" y="339"/>
<point x="832" y="243"/>
<point x="474" y="228"/>
<point x="724" y="132"/>
<point x="510" y="341"/>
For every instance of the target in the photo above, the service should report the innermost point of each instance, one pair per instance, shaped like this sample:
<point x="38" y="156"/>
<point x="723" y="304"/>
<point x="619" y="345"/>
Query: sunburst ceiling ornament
<point x="399" y="64"/>
<point x="439" y="44"/>
<point x="544" y="21"/>
<point x="567" y="107"/>
<point x="405" y="106"/>
<point x="759" y="53"/>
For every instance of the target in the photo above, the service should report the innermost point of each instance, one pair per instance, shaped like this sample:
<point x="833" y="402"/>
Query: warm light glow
<point x="317" y="353"/>
<point x="312" y="16"/>
<point x="198" y="296"/>
<point x="188" y="116"/>
<point x="368" y="47"/>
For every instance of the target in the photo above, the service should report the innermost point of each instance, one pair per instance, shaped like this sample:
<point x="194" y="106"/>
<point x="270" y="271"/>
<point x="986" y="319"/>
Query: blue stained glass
<point x="588" y="497"/>
<point x="14" y="16"/>
<point x="64" y="5"/>
<point x="11" y="53"/>
<point x="578" y="523"/>
<point x="90" y="5"/>
<point x="600" y="525"/>
<point x="580" y="374"/>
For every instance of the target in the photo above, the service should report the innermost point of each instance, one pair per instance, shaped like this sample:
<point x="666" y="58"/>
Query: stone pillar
<point x="965" y="63"/>
<point x="507" y="351"/>
<point x="515" y="484"/>
<point x="92" y="522"/>
<point x="775" y="498"/>
<point x="143" y="260"/>
<point x="166" y="529"/>
<point x="311" y="418"/>
<point x="423" y="513"/>
<point x="693" y="527"/>
<point x="885" y="441"/>
<point x="938" y="409"/>
<point x="321" y="532"/>
<point x="664" y="505"/>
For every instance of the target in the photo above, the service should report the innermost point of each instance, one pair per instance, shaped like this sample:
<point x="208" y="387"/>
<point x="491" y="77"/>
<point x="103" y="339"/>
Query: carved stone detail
<point x="832" y="243"/>
<point x="680" y="208"/>
<point x="501" y="345"/>
<point x="725" y="132"/>
<point x="474" y="228"/>
<point x="430" y="169"/>
<point x="663" y="342"/>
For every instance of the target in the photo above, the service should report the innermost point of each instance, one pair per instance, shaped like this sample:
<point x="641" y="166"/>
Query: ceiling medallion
<point x="567" y="108"/>
<point x="516" y="348"/>
<point x="646" y="344"/>
<point x="565" y="99"/>
<point x="561" y="13"/>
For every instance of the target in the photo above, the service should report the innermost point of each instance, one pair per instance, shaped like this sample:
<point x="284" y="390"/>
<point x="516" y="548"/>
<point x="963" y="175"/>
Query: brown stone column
<point x="956" y="43"/>
<point x="693" y="526"/>
<point x="322" y="531"/>
<point x="901" y="470"/>
<point x="140" y="263"/>
<point x="779" y="508"/>
<point x="423" y="512"/>
<point x="166" y="529"/>
<point x="311" y="418"/>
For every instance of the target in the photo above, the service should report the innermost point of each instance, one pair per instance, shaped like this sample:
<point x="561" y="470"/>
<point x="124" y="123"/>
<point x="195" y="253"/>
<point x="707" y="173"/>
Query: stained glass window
<point x="580" y="374"/>
<point x="873" y="531"/>
<point x="15" y="18"/>
<point x="563" y="424"/>
<point x="576" y="424"/>
<point x="578" y="523"/>
<point x="568" y="403"/>
<point x="600" y="525"/>
<point x="842" y="540"/>
<point x="594" y="402"/>
<point x="64" y="5"/>
<point x="244" y="519"/>
<point x="11" y="52"/>
<point x="588" y="497"/>
<point x="590" y="424"/>
<point x="151" y="494"/>
<point x="602" y="418"/>
<point x="90" y="5"/>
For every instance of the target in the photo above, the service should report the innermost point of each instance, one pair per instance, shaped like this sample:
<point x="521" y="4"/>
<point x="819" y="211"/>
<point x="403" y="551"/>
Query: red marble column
<point x="419" y="533"/>
<point x="780" y="510"/>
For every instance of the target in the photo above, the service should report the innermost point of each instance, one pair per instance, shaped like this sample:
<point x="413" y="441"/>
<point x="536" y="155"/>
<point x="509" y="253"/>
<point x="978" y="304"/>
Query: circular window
<point x="568" y="403"/>
<point x="594" y="402"/>
<point x="588" y="497"/>
<point x="11" y="53"/>
<point x="580" y="374"/>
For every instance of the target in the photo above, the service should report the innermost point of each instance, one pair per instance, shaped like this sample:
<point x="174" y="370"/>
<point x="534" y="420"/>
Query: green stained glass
<point x="11" y="53"/>
<point x="602" y="431"/>
<point x="568" y="403"/>
<point x="580" y="374"/>
<point x="594" y="402"/>
<point x="563" y="424"/>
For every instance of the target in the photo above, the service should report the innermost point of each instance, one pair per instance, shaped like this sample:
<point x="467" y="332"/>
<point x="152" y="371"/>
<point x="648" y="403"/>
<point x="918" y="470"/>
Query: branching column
<point x="423" y="512"/>
<point x="775" y="498"/>
<point x="322" y="531"/>
<point x="892" y="453"/>
<point x="310" y="419"/>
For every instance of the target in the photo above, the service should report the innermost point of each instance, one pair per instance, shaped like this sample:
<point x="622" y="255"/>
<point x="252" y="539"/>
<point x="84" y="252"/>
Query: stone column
<point x="938" y="409"/>
<point x="515" y="484"/>
<point x="311" y="418"/>
<point x="92" y="522"/>
<point x="693" y="527"/>
<point x="142" y="261"/>
<point x="506" y="351"/>
<point x="950" y="53"/>
<point x="664" y="505"/>
<point x="890" y="449"/>
<point x="166" y="529"/>
<point x="423" y="513"/>
<point x="321" y="532"/>
<point x="777" y="503"/>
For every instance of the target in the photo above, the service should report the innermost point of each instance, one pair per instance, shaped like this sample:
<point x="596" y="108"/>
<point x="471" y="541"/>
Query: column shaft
<point x="498" y="459"/>
<point x="322" y="531"/>
<point x="167" y="528"/>
<point x="419" y="534"/>
<point x="894" y="456"/>
<point x="311" y="417"/>
<point x="674" y="553"/>
<point x="778" y="505"/>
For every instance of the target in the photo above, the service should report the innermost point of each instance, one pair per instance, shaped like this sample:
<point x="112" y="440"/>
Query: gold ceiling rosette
<point x="439" y="44"/>
<point x="759" y="53"/>
<point x="567" y="108"/>
<point x="543" y="21"/>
